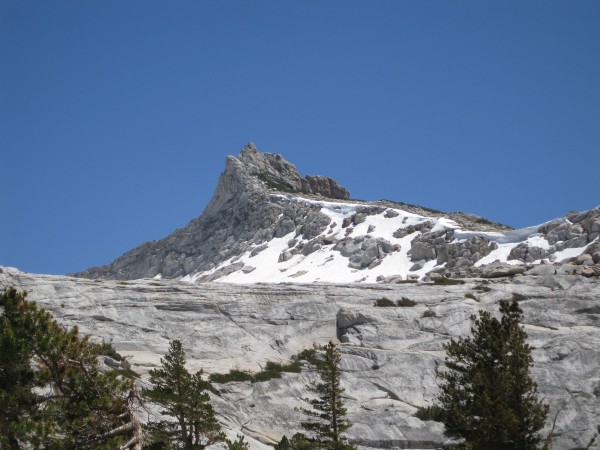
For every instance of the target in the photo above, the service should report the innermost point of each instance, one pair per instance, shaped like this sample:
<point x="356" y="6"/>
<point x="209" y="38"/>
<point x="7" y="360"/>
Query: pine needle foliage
<point x="328" y="411"/>
<point x="183" y="397"/>
<point x="238" y="444"/>
<point x="488" y="398"/>
<point x="52" y="392"/>
<point x="297" y="442"/>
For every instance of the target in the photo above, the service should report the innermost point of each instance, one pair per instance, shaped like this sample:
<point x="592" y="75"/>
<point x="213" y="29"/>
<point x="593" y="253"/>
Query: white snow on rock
<point x="328" y="265"/>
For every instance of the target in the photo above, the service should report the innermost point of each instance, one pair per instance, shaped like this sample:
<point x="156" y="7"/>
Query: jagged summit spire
<point x="273" y="171"/>
<point x="249" y="147"/>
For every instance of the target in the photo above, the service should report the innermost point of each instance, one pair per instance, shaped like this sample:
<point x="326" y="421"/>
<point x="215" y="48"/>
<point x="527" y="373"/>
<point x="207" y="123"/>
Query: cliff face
<point x="389" y="355"/>
<point x="265" y="223"/>
<point x="240" y="215"/>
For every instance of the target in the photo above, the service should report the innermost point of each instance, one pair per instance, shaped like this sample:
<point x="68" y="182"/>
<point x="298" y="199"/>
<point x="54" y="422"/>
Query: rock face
<point x="262" y="204"/>
<point x="389" y="355"/>
<point x="240" y="215"/>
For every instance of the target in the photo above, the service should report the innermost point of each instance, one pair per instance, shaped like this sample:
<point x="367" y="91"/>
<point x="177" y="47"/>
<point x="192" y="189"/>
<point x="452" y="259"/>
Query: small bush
<point x="233" y="375"/>
<point x="430" y="413"/>
<point x="375" y="367"/>
<point x="406" y="302"/>
<point x="271" y="370"/>
<point x="127" y="373"/>
<point x="519" y="297"/>
<point x="429" y="313"/>
<point x="309" y="355"/>
<point x="482" y="288"/>
<point x="384" y="303"/>
<point x="108" y="350"/>
<point x="471" y="296"/>
<point x="443" y="281"/>
<point x="278" y="185"/>
<point x="409" y="281"/>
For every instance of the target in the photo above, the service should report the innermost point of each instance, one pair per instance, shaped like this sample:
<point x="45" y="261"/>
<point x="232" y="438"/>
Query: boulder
<point x="542" y="270"/>
<point x="284" y="227"/>
<point x="584" y="260"/>
<point x="497" y="270"/>
<point x="257" y="250"/>
<point x="422" y="251"/>
<point x="418" y="265"/>
<point x="525" y="253"/>
<point x="594" y="251"/>
<point x="359" y="218"/>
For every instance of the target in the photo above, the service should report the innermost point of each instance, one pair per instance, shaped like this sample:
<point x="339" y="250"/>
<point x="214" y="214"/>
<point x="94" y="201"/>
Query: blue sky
<point x="116" y="117"/>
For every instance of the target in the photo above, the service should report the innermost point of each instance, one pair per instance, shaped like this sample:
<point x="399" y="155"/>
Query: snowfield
<point x="328" y="265"/>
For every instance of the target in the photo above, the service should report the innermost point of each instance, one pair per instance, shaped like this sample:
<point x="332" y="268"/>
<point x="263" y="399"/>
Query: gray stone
<point x="389" y="213"/>
<point x="284" y="227"/>
<point x="417" y="266"/>
<point x="285" y="256"/>
<point x="248" y="269"/>
<point x="584" y="260"/>
<point x="567" y="269"/>
<point x="422" y="251"/>
<point x="225" y="326"/>
<point x="257" y="250"/>
<point x="359" y="218"/>
<point x="243" y="207"/>
<point x="525" y="253"/>
<point x="310" y="247"/>
<point x="542" y="270"/>
<point x="576" y="242"/>
<point x="497" y="270"/>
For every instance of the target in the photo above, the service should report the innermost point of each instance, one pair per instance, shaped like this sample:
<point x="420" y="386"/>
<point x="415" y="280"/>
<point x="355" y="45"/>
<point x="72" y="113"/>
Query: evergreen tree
<point x="298" y="442"/>
<point x="488" y="398"/>
<point x="52" y="393"/>
<point x="185" y="400"/>
<point x="239" y="444"/>
<point x="328" y="411"/>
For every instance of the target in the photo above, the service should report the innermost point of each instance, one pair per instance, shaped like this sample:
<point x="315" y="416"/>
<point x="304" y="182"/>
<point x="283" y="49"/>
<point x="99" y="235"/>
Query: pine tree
<point x="239" y="444"/>
<point x="298" y="442"/>
<point x="52" y="393"/>
<point x="488" y="398"/>
<point x="185" y="400"/>
<point x="328" y="411"/>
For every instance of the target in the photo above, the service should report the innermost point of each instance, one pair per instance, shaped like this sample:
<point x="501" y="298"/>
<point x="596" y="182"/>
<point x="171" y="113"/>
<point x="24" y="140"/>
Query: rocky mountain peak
<point x="267" y="223"/>
<point x="256" y="173"/>
<point x="276" y="173"/>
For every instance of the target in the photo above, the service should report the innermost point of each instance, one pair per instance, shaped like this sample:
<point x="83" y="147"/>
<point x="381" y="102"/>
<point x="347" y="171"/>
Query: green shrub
<point x="233" y="375"/>
<point x="429" y="313"/>
<point x="277" y="184"/>
<point x="519" y="297"/>
<point x="271" y="370"/>
<point x="107" y="349"/>
<point x="443" y="281"/>
<point x="406" y="302"/>
<point x="309" y="355"/>
<point x="384" y="302"/>
<point x="482" y="288"/>
<point x="430" y="413"/>
<point x="471" y="296"/>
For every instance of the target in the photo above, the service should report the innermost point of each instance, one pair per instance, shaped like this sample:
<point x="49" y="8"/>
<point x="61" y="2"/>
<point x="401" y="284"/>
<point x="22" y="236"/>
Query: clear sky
<point x="116" y="116"/>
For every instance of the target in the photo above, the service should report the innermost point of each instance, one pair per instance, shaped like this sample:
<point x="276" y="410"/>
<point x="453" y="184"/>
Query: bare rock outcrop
<point x="389" y="355"/>
<point x="244" y="211"/>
